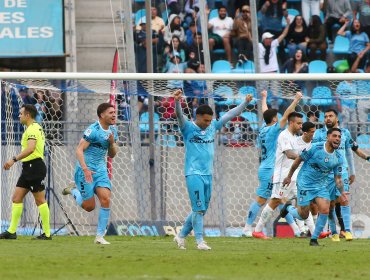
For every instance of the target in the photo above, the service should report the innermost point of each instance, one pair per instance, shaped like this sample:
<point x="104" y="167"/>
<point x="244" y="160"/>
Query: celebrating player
<point x="267" y="141"/>
<point x="199" y="138"/>
<point x="319" y="161"/>
<point x="91" y="174"/>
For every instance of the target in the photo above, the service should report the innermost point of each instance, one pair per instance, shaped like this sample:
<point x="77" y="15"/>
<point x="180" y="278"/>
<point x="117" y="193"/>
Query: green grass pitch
<point x="159" y="258"/>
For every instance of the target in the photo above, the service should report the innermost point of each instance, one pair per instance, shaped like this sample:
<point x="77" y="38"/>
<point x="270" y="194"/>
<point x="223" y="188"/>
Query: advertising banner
<point x="31" y="28"/>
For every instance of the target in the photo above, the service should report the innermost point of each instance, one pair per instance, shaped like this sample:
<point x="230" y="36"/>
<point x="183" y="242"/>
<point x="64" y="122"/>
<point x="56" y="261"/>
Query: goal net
<point x="149" y="196"/>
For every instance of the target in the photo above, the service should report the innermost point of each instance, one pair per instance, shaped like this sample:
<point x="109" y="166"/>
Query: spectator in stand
<point x="195" y="50"/>
<point x="337" y="11"/>
<point x="362" y="8"/>
<point x="273" y="12"/>
<point x="316" y="39"/>
<point x="174" y="6"/>
<point x="174" y="28"/>
<point x="40" y="106"/>
<point x="220" y="36"/>
<point x="297" y="64"/>
<point x="175" y="65"/>
<point x="174" y="47"/>
<point x="26" y="98"/>
<point x="310" y="8"/>
<point x="268" y="60"/>
<point x="296" y="37"/>
<point x="359" y="42"/>
<point x="156" y="22"/>
<point x="191" y="11"/>
<point x="190" y="32"/>
<point x="242" y="32"/>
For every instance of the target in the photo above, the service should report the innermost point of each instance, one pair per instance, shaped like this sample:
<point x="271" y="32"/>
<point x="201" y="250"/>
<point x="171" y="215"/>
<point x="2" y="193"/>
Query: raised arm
<point x="342" y="30"/>
<point x="237" y="110"/>
<point x="264" y="100"/>
<point x="180" y="116"/>
<point x="290" y="109"/>
<point x="285" y="31"/>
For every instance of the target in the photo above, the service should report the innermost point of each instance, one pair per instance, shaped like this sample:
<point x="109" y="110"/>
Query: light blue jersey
<point x="267" y="142"/>
<point x="95" y="159"/>
<point x="199" y="147"/>
<point x="95" y="154"/>
<point x="317" y="166"/>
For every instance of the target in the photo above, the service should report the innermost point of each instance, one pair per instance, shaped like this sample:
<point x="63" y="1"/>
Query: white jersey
<point x="299" y="146"/>
<point x="221" y="26"/>
<point x="285" y="142"/>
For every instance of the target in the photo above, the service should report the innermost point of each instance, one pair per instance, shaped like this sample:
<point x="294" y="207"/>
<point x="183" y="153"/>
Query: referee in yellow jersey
<point x="32" y="176"/>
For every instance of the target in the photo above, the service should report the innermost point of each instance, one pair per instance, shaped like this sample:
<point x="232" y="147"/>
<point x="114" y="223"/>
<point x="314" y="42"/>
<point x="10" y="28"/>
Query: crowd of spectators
<point x="291" y="35"/>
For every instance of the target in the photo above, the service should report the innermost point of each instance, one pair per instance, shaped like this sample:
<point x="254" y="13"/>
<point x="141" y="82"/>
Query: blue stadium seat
<point x="225" y="92"/>
<point x="165" y="14"/>
<point x="363" y="141"/>
<point x="317" y="66"/>
<point x="144" y="122"/>
<point x="246" y="67"/>
<point x="252" y="118"/>
<point x="243" y="91"/>
<point x="321" y="96"/>
<point x="341" y="45"/>
<point x="138" y="15"/>
<point x="221" y="66"/>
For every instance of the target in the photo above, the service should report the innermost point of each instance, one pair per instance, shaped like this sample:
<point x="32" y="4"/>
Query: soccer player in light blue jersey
<point x="267" y="142"/>
<point x="320" y="161"/>
<point x="343" y="208"/>
<point x="199" y="138"/>
<point x="91" y="173"/>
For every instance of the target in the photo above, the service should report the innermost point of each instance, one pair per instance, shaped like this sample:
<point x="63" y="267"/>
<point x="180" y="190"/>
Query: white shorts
<point x="289" y="192"/>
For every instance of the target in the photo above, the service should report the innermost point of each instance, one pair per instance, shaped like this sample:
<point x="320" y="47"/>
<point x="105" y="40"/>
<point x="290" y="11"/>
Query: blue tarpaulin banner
<point x="31" y="28"/>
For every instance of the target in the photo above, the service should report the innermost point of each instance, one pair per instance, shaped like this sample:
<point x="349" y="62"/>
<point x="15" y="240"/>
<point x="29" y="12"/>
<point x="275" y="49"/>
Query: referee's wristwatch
<point x="14" y="159"/>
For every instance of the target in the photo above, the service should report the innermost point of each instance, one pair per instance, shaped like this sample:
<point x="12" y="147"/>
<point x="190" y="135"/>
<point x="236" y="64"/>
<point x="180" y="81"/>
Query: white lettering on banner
<point x="15" y="3"/>
<point x="7" y="17"/>
<point x="30" y="32"/>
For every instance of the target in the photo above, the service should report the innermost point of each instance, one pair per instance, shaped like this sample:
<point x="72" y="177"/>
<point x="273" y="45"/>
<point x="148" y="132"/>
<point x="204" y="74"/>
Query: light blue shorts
<point x="265" y="179"/>
<point x="87" y="190"/>
<point x="200" y="190"/>
<point x="306" y="195"/>
<point x="332" y="187"/>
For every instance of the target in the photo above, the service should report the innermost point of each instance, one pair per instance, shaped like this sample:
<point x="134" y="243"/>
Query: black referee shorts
<point x="33" y="175"/>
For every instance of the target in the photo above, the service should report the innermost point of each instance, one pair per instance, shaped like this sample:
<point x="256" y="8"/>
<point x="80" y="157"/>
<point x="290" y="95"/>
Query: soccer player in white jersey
<point x="284" y="156"/>
<point x="319" y="162"/>
<point x="91" y="173"/>
<point x="267" y="140"/>
<point x="199" y="138"/>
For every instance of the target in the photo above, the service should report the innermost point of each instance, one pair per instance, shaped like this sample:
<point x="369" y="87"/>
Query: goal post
<point x="67" y="104"/>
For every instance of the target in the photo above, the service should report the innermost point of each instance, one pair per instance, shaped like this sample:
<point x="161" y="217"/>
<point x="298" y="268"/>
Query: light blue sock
<point x="103" y="221"/>
<point x="77" y="196"/>
<point x="294" y="212"/>
<point x="197" y="219"/>
<point x="253" y="212"/>
<point x="332" y="225"/>
<point x="187" y="227"/>
<point x="320" y="223"/>
<point x="346" y="215"/>
<point x="289" y="218"/>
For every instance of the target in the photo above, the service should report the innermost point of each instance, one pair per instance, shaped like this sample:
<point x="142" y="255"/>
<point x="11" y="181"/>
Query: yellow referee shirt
<point x="34" y="131"/>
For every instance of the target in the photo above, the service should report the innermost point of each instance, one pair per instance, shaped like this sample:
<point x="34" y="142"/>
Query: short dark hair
<point x="30" y="109"/>
<point x="331" y="130"/>
<point x="306" y="126"/>
<point x="269" y="114"/>
<point x="103" y="107"/>
<point x="294" y="115"/>
<point x="204" y="110"/>
<point x="332" y="110"/>
<point x="222" y="7"/>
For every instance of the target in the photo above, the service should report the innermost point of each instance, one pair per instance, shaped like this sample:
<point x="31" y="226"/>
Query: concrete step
<point x="97" y="33"/>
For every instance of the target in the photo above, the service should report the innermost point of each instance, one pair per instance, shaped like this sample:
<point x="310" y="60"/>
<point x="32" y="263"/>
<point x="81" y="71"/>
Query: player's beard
<point x="329" y="125"/>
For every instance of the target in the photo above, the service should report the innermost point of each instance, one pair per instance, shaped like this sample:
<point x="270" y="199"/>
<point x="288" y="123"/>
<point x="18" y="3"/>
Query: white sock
<point x="301" y="225"/>
<point x="310" y="223"/>
<point x="264" y="218"/>
<point x="295" y="229"/>
<point x="314" y="217"/>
